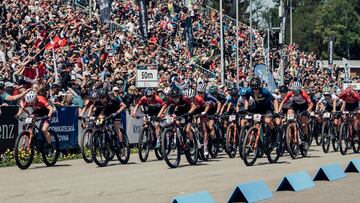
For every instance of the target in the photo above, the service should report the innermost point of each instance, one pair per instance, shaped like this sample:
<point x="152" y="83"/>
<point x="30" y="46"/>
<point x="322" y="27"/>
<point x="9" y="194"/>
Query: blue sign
<point x="64" y="123"/>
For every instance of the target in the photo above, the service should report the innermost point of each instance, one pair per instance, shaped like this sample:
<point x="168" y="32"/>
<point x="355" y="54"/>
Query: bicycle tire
<point x="277" y="140"/>
<point x="325" y="136"/>
<point x="292" y="148"/>
<point x="19" y="154"/>
<point x="335" y="140"/>
<point x="343" y="138"/>
<point x="248" y="147"/>
<point x="144" y="144"/>
<point x="98" y="147"/>
<point x="230" y="146"/>
<point x="85" y="146"/>
<point x="356" y="143"/>
<point x="192" y="159"/>
<point x="241" y="139"/>
<point x="168" y="139"/>
<point x="57" y="148"/>
<point x="123" y="155"/>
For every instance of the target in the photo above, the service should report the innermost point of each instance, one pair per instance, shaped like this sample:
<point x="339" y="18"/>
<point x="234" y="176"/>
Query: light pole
<point x="237" y="43"/>
<point x="251" y="33"/>
<point x="222" y="46"/>
<point x="291" y="23"/>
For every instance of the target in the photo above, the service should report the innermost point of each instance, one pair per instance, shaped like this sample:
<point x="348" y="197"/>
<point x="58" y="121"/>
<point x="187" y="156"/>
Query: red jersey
<point x="349" y="96"/>
<point x="199" y="101"/>
<point x="41" y="103"/>
<point x="152" y="102"/>
<point x="301" y="98"/>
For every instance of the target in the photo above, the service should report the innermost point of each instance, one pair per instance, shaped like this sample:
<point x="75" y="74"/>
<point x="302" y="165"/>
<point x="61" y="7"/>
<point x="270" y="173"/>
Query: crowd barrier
<point x="64" y="122"/>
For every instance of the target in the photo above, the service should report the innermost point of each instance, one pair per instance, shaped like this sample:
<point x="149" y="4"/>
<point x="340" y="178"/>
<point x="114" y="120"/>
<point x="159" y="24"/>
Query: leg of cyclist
<point x="45" y="129"/>
<point x="117" y="126"/>
<point x="292" y="112"/>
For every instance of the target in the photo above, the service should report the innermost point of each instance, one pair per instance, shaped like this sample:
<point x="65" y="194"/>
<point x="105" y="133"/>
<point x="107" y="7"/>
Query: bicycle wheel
<point x="214" y="145"/>
<point x="51" y="153"/>
<point x="274" y="147"/>
<point x="250" y="152"/>
<point x="335" y="139"/>
<point x="191" y="153"/>
<point x="171" y="148"/>
<point x="312" y="131"/>
<point x="144" y="144"/>
<point x="356" y="143"/>
<point x="343" y="138"/>
<point x="292" y="145"/>
<point x="85" y="146"/>
<point x="100" y="149"/>
<point x="230" y="146"/>
<point x="325" y="136"/>
<point x="123" y="154"/>
<point x="241" y="138"/>
<point x="23" y="150"/>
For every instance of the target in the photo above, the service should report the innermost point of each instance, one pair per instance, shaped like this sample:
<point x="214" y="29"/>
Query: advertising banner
<point x="8" y="128"/>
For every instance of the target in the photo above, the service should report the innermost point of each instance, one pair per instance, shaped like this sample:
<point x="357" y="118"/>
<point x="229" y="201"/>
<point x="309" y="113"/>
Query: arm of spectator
<point x="72" y="91"/>
<point x="16" y="97"/>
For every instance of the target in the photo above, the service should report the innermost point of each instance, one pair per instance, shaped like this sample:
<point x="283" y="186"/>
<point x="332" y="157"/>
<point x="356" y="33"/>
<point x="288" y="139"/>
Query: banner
<point x="143" y="19"/>
<point x="64" y="123"/>
<point x="331" y="51"/>
<point x="189" y="35"/>
<point x="105" y="10"/>
<point x="134" y="126"/>
<point x="147" y="76"/>
<point x="346" y="69"/>
<point x="8" y="128"/>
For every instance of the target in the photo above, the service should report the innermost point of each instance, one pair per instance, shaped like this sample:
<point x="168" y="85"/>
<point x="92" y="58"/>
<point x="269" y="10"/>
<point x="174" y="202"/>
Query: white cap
<point x="115" y="89"/>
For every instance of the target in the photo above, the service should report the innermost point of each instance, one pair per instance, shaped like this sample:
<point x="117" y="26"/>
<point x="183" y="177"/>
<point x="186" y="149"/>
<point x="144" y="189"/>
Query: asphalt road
<point x="153" y="181"/>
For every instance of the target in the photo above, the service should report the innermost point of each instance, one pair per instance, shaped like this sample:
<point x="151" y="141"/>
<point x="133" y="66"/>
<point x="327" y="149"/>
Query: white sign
<point x="355" y="86"/>
<point x="146" y="78"/>
<point x="134" y="126"/>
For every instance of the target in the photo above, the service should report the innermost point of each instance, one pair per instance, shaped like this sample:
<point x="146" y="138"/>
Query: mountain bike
<point x="348" y="136"/>
<point x="27" y="143"/>
<point x="147" y="139"/>
<point x="105" y="142"/>
<point x="175" y="142"/>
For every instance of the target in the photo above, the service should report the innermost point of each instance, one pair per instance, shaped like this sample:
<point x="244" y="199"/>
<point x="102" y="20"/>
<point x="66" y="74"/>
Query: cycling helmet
<point x="243" y="92"/>
<point x="149" y="92"/>
<point x="201" y="88"/>
<point x="234" y="92"/>
<point x="175" y="92"/>
<point x="213" y="89"/>
<point x="167" y="90"/>
<point x="102" y="93"/>
<point x="326" y="90"/>
<point x="283" y="89"/>
<point x="296" y="86"/>
<point x="255" y="83"/>
<point x="190" y="93"/>
<point x="94" y="95"/>
<point x="30" y="97"/>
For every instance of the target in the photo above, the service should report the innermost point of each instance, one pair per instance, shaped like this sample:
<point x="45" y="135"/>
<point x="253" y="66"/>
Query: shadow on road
<point x="57" y="165"/>
<point x="188" y="165"/>
<point x="118" y="163"/>
<point x="266" y="163"/>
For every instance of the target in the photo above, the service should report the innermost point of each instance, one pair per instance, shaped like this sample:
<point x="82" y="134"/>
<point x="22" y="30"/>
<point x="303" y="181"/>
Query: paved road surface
<point x="75" y="181"/>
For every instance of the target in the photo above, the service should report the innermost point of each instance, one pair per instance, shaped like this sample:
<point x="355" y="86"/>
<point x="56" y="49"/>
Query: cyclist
<point x="264" y="102"/>
<point x="109" y="106"/>
<point x="231" y="101"/>
<point x="153" y="104"/>
<point x="351" y="100"/>
<point x="329" y="102"/>
<point x="301" y="102"/>
<point x="41" y="108"/>
<point x="205" y="104"/>
<point x="179" y="104"/>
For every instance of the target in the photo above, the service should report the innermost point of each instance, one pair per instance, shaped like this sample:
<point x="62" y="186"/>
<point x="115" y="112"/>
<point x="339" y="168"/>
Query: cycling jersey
<point x="230" y="99"/>
<point x="40" y="107"/>
<point x="153" y="105"/>
<point x="112" y="106"/>
<point x="200" y="101"/>
<point x="179" y="108"/>
<point x="349" y="98"/>
<point x="263" y="100"/>
<point x="328" y="102"/>
<point x="299" y="99"/>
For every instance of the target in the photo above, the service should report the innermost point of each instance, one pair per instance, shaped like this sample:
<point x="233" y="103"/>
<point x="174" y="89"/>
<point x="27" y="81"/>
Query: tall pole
<point x="222" y="46"/>
<point x="90" y="9"/>
<point x="237" y="43"/>
<point x="251" y="36"/>
<point x="291" y="23"/>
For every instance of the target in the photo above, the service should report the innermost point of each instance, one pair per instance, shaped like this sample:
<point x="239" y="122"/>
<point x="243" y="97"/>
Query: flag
<point x="143" y="19"/>
<point x="105" y="10"/>
<point x="346" y="69"/>
<point x="56" y="42"/>
<point x="331" y="51"/>
<point x="189" y="35"/>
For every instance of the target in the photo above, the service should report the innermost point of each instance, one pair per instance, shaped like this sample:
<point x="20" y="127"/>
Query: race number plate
<point x="312" y="114"/>
<point x="291" y="117"/>
<point x="232" y="118"/>
<point x="327" y="115"/>
<point x="247" y="117"/>
<point x="28" y="120"/>
<point x="257" y="117"/>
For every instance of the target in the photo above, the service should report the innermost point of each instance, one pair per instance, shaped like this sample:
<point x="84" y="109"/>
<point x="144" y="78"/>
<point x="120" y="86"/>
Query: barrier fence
<point x="64" y="123"/>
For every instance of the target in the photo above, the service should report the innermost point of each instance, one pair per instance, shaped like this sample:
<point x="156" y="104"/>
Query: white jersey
<point x="329" y="100"/>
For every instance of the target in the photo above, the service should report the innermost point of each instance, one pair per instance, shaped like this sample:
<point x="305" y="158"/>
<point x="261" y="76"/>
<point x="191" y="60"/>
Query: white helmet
<point x="30" y="97"/>
<point x="190" y="93"/>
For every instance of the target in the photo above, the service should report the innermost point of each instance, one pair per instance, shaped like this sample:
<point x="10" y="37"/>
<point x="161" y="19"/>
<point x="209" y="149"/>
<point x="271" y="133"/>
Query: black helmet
<point x="175" y="92"/>
<point x="255" y="83"/>
<point x="234" y="92"/>
<point x="102" y="93"/>
<point x="149" y="92"/>
<point x="283" y="89"/>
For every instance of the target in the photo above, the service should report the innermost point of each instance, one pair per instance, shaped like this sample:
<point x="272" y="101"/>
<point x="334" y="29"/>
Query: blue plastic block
<point x="330" y="172"/>
<point x="296" y="182"/>
<point x="250" y="192"/>
<point x="354" y="166"/>
<point x="203" y="197"/>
